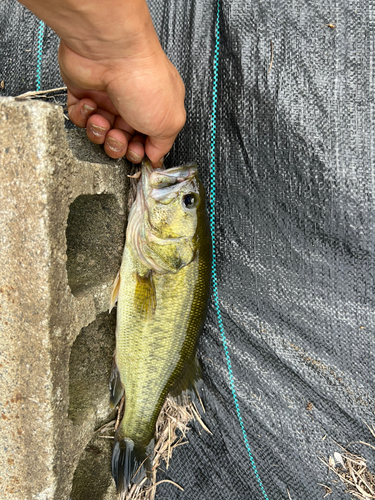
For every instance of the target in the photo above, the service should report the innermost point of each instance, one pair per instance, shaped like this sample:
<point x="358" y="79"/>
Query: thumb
<point x="156" y="148"/>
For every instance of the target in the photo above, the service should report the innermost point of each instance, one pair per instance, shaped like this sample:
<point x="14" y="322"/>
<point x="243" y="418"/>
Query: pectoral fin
<point x="115" y="386"/>
<point x="115" y="291"/>
<point x="146" y="295"/>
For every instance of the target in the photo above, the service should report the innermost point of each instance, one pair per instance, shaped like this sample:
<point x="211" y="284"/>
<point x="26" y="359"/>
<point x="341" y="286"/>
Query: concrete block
<point x="63" y="206"/>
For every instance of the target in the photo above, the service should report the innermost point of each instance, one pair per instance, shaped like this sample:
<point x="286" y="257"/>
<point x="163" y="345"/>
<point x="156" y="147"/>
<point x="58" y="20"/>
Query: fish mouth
<point x="162" y="178"/>
<point x="164" y="185"/>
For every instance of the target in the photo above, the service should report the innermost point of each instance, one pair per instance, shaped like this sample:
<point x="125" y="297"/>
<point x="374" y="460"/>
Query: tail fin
<point x="130" y="462"/>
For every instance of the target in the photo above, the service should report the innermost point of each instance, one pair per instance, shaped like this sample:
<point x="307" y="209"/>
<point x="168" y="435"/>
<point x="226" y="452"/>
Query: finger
<point x="157" y="148"/>
<point x="123" y="125"/>
<point x="79" y="110"/>
<point x="116" y="143"/>
<point x="100" y="97"/>
<point x="105" y="114"/>
<point x="97" y="128"/>
<point x="136" y="149"/>
<point x="129" y="131"/>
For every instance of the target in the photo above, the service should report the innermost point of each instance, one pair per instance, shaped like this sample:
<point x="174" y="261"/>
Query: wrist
<point x="115" y="29"/>
<point x="100" y="29"/>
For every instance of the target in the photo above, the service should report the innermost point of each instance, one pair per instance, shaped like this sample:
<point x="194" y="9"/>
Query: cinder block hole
<point x="95" y="238"/>
<point x="92" y="478"/>
<point x="89" y="370"/>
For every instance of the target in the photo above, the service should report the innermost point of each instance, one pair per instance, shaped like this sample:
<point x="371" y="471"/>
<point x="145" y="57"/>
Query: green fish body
<point x="163" y="291"/>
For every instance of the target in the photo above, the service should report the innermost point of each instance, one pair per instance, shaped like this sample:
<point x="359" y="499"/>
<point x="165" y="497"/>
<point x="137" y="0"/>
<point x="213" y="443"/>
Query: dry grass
<point x="54" y="96"/>
<point x="353" y="472"/>
<point x="171" y="429"/>
<point x="35" y="94"/>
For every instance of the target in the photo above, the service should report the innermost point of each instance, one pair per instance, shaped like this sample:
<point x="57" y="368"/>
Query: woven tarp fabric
<point x="20" y="49"/>
<point x="295" y="239"/>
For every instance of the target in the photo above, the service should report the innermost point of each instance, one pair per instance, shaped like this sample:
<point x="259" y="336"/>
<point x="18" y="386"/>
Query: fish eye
<point x="190" y="200"/>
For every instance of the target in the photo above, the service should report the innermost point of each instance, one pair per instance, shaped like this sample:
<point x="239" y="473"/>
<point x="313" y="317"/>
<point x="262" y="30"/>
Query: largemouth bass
<point x="163" y="290"/>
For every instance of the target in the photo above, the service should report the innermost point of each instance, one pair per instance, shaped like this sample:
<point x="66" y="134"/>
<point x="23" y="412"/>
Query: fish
<point x="162" y="292"/>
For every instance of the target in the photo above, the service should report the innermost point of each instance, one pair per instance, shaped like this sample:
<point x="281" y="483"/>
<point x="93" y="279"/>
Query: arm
<point x="121" y="85"/>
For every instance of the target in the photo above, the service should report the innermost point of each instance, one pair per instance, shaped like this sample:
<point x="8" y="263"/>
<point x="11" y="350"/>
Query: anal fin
<point x="188" y="385"/>
<point x="115" y="386"/>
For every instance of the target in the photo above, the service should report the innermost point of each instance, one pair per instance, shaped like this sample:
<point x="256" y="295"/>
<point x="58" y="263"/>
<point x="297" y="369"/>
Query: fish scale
<point x="162" y="301"/>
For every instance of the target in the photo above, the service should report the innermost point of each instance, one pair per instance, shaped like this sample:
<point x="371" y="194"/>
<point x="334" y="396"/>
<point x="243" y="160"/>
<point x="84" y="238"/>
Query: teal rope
<point x="213" y="269"/>
<point x="39" y="56"/>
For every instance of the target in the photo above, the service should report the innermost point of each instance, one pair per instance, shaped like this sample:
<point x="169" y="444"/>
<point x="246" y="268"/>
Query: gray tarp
<point x="294" y="227"/>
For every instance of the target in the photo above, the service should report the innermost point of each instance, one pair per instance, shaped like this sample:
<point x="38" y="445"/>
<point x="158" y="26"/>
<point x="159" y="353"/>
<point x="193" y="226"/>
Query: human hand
<point x="132" y="105"/>
<point x="121" y="85"/>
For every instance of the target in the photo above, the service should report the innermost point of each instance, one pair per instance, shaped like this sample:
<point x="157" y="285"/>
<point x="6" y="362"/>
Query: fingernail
<point x="86" y="110"/>
<point x="133" y="156"/>
<point x="114" y="145"/>
<point x="98" y="131"/>
<point x="160" y="164"/>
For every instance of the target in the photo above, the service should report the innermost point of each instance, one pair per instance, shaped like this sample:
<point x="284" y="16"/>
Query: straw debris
<point x="55" y="96"/>
<point x="35" y="94"/>
<point x="353" y="472"/>
<point x="171" y="430"/>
